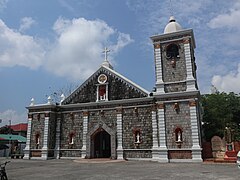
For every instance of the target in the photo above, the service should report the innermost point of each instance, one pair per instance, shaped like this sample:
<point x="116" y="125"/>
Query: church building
<point x="109" y="116"/>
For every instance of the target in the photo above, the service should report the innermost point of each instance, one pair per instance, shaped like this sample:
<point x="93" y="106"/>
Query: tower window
<point x="172" y="51"/>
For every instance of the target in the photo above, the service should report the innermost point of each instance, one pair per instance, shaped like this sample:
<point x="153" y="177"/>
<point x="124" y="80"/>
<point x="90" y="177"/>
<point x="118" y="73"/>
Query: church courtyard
<point x="115" y="169"/>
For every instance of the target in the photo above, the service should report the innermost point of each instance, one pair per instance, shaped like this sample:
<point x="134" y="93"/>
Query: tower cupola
<point x="172" y="26"/>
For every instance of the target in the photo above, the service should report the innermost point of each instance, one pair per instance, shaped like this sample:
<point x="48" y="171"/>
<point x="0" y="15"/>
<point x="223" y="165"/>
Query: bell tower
<point x="177" y="94"/>
<point x="174" y="59"/>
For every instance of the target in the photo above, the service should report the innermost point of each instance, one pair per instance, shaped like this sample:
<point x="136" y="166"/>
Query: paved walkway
<point x="104" y="169"/>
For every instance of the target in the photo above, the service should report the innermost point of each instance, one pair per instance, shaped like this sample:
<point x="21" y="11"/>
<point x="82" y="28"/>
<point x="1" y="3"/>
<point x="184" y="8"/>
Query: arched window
<point x="172" y="51"/>
<point x="178" y="135"/>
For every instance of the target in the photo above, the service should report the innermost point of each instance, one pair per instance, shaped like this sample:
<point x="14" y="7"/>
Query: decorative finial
<point x="32" y="102"/>
<point x="62" y="99"/>
<point x="49" y="100"/>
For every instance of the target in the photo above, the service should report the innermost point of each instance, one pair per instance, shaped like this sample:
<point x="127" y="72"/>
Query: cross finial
<point x="106" y="51"/>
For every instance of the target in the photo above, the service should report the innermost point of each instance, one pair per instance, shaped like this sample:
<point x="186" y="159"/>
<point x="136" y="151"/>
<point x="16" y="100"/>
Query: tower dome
<point x="172" y="26"/>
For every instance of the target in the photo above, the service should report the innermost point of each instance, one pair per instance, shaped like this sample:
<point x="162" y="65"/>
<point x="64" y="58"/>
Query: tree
<point x="221" y="110"/>
<point x="66" y="91"/>
<point x="6" y="130"/>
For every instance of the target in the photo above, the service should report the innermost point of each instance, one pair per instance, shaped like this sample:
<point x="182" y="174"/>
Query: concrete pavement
<point x="20" y="169"/>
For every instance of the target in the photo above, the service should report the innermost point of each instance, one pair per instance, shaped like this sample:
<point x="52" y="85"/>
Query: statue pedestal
<point x="230" y="154"/>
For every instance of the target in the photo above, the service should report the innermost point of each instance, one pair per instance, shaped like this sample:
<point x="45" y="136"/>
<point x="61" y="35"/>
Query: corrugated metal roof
<point x="13" y="137"/>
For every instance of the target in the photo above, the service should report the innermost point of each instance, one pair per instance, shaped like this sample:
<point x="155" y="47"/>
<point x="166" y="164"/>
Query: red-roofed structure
<point x="19" y="127"/>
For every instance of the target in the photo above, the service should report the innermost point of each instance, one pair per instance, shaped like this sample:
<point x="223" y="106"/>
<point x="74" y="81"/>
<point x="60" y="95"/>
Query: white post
<point x="196" y="149"/>
<point x="190" y="79"/>
<point x="119" y="134"/>
<point x="85" y="130"/>
<point x="158" y="66"/>
<point x="45" y="137"/>
<point x="162" y="133"/>
<point x="97" y="98"/>
<point x="28" y="143"/>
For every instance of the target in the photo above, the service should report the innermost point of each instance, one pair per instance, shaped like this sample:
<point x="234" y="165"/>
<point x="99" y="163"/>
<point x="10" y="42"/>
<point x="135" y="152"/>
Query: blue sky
<point x="46" y="46"/>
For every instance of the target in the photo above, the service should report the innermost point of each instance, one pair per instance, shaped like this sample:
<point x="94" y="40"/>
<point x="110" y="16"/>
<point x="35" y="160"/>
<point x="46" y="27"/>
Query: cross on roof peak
<point x="106" y="51"/>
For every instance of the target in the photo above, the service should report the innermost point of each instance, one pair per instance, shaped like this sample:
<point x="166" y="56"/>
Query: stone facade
<point x="109" y="116"/>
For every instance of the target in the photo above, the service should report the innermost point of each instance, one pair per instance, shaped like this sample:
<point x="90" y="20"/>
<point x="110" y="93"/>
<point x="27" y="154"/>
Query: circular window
<point x="102" y="78"/>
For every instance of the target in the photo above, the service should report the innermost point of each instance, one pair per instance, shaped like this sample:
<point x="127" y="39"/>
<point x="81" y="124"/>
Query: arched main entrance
<point x="101" y="138"/>
<point x="102" y="144"/>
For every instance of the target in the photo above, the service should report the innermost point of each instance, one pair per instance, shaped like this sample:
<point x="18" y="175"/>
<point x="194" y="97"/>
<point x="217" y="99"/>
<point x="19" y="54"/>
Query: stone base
<point x="26" y="154"/>
<point x="120" y="154"/>
<point x="197" y="155"/>
<point x="160" y="155"/>
<point x="83" y="154"/>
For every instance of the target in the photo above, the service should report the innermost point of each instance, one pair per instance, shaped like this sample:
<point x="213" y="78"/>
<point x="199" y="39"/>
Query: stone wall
<point x="109" y="117"/>
<point x="177" y="73"/>
<point x="117" y="90"/>
<point x="37" y="128"/>
<point x="52" y="134"/>
<point x="176" y="154"/>
<point x="175" y="120"/>
<point x="71" y="123"/>
<point x="137" y="119"/>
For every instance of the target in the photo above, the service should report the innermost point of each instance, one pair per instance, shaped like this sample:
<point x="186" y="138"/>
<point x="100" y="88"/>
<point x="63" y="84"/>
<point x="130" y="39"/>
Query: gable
<point x="117" y="86"/>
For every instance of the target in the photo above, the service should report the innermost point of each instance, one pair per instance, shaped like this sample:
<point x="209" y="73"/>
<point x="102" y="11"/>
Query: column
<point x="158" y="69"/>
<point x="58" y="134"/>
<point x="119" y="134"/>
<point x="45" y="137"/>
<point x="28" y="143"/>
<point x="162" y="133"/>
<point x="190" y="79"/>
<point x="85" y="130"/>
<point x="106" y="92"/>
<point x="155" y="149"/>
<point x="97" y="97"/>
<point x="196" y="149"/>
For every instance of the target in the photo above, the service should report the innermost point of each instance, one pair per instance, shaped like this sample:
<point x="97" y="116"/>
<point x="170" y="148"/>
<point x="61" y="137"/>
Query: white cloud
<point x="18" y="49"/>
<point x="229" y="82"/>
<point x="229" y="19"/>
<point x="14" y="116"/>
<point x="26" y="23"/>
<point x="76" y="52"/>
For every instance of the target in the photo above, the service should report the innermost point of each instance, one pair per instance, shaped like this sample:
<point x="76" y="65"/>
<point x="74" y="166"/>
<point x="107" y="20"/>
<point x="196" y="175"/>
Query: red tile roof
<point x="19" y="127"/>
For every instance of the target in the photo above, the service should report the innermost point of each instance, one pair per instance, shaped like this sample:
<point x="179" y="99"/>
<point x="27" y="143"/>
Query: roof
<point x="12" y="137"/>
<point x="108" y="70"/>
<point x="19" y="127"/>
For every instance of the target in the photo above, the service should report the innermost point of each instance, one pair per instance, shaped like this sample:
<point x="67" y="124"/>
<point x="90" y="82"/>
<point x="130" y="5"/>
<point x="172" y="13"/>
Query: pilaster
<point x="163" y="153"/>
<point x="190" y="79"/>
<point x="85" y="130"/>
<point x="196" y="149"/>
<point x="119" y="134"/>
<point x="45" y="137"/>
<point x="158" y="66"/>
<point x="29" y="129"/>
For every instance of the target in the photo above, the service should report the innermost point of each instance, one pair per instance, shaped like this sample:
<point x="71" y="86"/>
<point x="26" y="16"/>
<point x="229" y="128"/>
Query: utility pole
<point x="10" y="133"/>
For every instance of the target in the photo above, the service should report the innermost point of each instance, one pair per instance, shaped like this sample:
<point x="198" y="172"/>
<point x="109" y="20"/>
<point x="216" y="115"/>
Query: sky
<point x="55" y="45"/>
